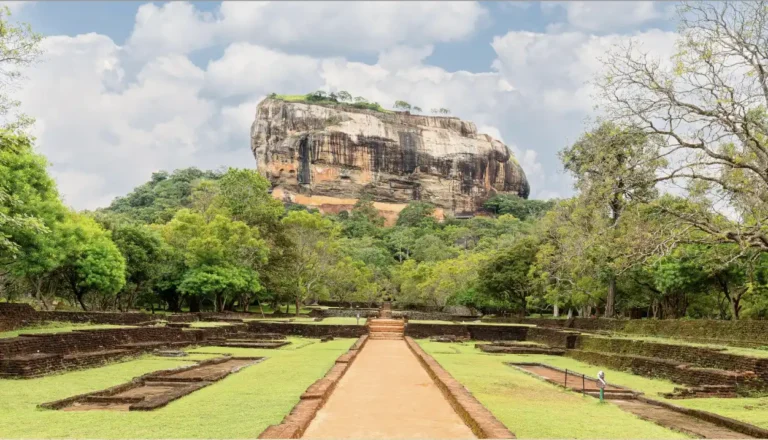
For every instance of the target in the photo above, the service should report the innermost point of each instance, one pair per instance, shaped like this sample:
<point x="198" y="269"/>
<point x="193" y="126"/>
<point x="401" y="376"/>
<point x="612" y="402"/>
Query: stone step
<point x="386" y="328"/>
<point x="387" y="337"/>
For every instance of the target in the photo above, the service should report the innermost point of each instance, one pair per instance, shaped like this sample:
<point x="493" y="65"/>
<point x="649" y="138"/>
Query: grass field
<point x="240" y="406"/>
<point x="56" y="327"/>
<point x="532" y="408"/>
<point x="749" y="410"/>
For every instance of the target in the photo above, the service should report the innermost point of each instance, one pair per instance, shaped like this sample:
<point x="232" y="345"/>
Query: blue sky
<point x="128" y="88"/>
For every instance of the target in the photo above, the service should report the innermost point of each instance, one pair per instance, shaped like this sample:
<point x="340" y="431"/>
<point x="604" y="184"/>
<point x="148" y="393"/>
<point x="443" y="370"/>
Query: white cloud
<point x="249" y="69"/>
<point x="605" y="16"/>
<point x="554" y="71"/>
<point x="325" y="27"/>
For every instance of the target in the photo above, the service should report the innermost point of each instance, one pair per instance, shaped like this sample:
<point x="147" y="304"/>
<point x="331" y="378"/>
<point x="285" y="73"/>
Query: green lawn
<point x="240" y="406"/>
<point x="532" y="408"/>
<point x="56" y="327"/>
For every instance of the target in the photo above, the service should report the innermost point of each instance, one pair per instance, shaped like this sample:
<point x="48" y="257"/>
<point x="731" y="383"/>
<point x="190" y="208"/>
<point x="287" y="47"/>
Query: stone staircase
<point x="385" y="327"/>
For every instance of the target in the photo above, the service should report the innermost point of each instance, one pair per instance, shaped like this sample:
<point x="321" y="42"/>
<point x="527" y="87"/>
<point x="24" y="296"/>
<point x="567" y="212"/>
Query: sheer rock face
<point x="328" y="156"/>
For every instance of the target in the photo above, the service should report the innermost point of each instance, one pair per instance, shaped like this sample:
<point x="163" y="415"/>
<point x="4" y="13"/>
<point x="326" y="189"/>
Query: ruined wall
<point x="327" y="156"/>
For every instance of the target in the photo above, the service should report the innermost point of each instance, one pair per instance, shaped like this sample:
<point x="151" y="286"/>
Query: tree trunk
<point x="610" y="301"/>
<point x="735" y="307"/>
<point x="194" y="304"/>
<point x="298" y="306"/>
<point x="80" y="296"/>
<point x="556" y="311"/>
<point x="261" y="309"/>
<point x="570" y="313"/>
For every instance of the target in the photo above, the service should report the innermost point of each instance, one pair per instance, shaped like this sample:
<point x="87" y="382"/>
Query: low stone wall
<point x="15" y="316"/>
<point x="344" y="313"/>
<point x="700" y="356"/>
<point x="747" y="333"/>
<point x="667" y="369"/>
<point x="552" y="337"/>
<point x="475" y="415"/>
<point x="308" y="330"/>
<point x="476" y="332"/>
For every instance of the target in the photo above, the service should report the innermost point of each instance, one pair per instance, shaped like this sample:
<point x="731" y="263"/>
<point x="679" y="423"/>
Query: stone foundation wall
<point x="667" y="369"/>
<point x="477" y="332"/>
<point x="308" y="330"/>
<point x="552" y="337"/>
<point x="345" y="313"/>
<point x="88" y="340"/>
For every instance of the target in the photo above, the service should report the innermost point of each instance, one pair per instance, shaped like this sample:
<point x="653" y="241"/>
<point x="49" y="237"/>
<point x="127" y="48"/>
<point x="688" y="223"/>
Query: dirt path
<point x="386" y="393"/>
<point x="681" y="422"/>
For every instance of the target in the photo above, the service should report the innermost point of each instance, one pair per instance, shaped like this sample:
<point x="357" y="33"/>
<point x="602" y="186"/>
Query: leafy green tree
<point x="506" y="278"/>
<point x="313" y="246"/>
<point x="417" y="214"/>
<point x="158" y="200"/>
<point x="402" y="241"/>
<point x="92" y="264"/>
<point x="220" y="255"/>
<point x="517" y="206"/>
<point x="344" y="96"/>
<point x="142" y="248"/>
<point x="612" y="166"/>
<point x="402" y="105"/>
<point x="29" y="202"/>
<point x="432" y="248"/>
<point x="244" y="193"/>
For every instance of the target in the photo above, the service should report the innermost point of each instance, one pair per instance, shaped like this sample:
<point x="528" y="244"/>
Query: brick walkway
<point x="387" y="394"/>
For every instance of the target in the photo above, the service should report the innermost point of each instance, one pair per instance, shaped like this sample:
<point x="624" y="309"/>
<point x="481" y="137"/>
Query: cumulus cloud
<point x="324" y="27"/>
<point x="605" y="16"/>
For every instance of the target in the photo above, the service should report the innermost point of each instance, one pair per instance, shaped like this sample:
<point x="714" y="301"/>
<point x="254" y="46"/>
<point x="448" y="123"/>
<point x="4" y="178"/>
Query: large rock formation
<point x="328" y="156"/>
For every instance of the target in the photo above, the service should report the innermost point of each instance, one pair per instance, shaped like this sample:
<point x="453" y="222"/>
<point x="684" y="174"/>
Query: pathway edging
<point x="296" y="422"/>
<point x="482" y="422"/>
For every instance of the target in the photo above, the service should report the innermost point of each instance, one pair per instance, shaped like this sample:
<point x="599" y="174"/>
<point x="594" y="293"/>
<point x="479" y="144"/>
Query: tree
<point x="220" y="255"/>
<point x="92" y="263"/>
<point x="360" y="100"/>
<point x="506" y="279"/>
<point x="19" y="48"/>
<point x="346" y="279"/>
<point x="142" y="249"/>
<point x="434" y="111"/>
<point x="517" y="206"/>
<point x="158" y="200"/>
<point x="417" y="109"/>
<point x="344" y="96"/>
<point x="402" y="240"/>
<point x="244" y="193"/>
<point x="312" y="250"/>
<point x="29" y="202"/>
<point x="613" y="166"/>
<point x="402" y="105"/>
<point x="417" y="214"/>
<point x="709" y="104"/>
<point x="444" y="111"/>
<point x="432" y="248"/>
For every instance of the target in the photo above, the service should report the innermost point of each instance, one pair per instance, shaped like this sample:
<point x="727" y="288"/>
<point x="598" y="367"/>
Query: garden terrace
<point x="681" y="363"/>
